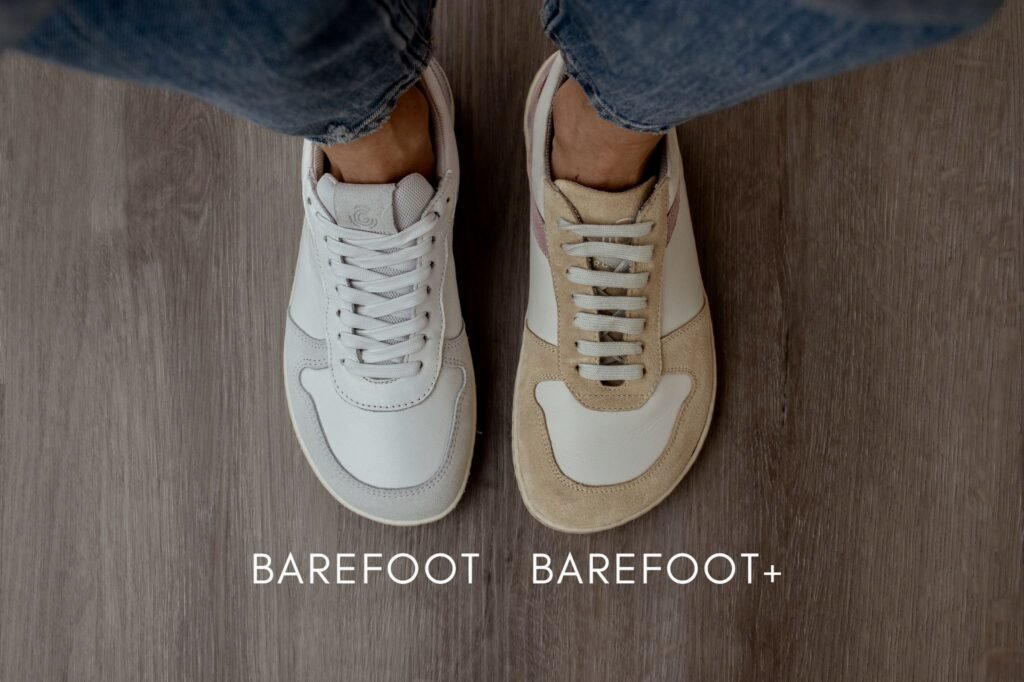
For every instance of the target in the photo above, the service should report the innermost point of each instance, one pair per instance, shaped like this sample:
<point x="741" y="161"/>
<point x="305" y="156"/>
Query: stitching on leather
<point x="655" y="318"/>
<point x="541" y="425"/>
<point x="385" y="492"/>
<point x="533" y="101"/>
<point x="309" y="408"/>
<point x="396" y="492"/>
<point x="439" y="358"/>
<point x="640" y="480"/>
<point x="698" y="318"/>
<point x="618" y="393"/>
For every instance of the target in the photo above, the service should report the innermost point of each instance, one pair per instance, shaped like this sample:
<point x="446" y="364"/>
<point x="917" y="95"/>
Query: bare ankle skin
<point x="593" y="152"/>
<point x="401" y="146"/>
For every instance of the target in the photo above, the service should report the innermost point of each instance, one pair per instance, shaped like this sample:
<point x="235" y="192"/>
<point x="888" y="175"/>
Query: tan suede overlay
<point x="587" y="205"/>
<point x="566" y="505"/>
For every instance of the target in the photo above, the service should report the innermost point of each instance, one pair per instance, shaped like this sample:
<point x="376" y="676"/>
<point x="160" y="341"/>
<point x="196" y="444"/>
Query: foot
<point x="377" y="367"/>
<point x="401" y="146"/>
<point x="592" y="152"/>
<point x="616" y="377"/>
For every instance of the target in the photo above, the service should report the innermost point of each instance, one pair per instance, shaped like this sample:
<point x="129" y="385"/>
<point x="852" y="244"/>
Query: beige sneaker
<point x="616" y="378"/>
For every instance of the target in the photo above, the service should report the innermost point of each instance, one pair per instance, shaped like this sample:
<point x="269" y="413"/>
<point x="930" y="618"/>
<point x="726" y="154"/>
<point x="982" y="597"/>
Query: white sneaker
<point x="616" y="378"/>
<point x="378" y="373"/>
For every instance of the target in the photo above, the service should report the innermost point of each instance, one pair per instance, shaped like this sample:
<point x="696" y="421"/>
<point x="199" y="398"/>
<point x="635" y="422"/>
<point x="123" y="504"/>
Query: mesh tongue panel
<point x="378" y="210"/>
<point x="607" y="208"/>
<point x="412" y="194"/>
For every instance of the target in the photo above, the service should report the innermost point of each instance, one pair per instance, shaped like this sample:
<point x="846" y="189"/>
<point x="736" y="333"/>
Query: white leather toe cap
<point x="594" y="447"/>
<point x="398" y="449"/>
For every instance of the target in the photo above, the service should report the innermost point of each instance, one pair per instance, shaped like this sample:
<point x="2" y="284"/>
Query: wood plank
<point x="861" y="242"/>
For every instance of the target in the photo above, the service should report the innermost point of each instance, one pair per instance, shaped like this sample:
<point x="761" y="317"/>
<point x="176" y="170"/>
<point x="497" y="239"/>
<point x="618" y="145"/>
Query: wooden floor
<point x="862" y="243"/>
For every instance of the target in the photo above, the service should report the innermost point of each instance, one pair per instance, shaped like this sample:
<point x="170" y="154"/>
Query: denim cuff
<point x="648" y="66"/>
<point x="571" y="36"/>
<point x="411" y="32"/>
<point x="327" y="70"/>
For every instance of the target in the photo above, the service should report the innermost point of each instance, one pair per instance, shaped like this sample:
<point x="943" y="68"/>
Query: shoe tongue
<point x="606" y="208"/>
<point x="381" y="209"/>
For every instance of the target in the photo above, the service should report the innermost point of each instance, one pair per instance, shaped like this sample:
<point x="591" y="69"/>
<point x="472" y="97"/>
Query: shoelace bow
<point x="609" y="320"/>
<point x="372" y="345"/>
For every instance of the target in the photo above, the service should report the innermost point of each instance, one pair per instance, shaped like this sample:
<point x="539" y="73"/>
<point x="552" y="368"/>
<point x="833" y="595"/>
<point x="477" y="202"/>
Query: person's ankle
<point x="399" y="147"/>
<point x="592" y="151"/>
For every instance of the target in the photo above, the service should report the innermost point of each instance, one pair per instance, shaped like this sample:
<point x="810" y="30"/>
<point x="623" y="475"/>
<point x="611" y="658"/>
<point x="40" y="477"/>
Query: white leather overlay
<point x="682" y="291"/>
<point x="539" y="138"/>
<point x="606" y="448"/>
<point x="674" y="166"/>
<point x="450" y="296"/>
<point x="541" y="310"/>
<point x="388" y="449"/>
<point x="307" y="300"/>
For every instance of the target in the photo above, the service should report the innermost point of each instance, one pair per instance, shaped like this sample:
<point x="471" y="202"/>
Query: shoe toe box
<point x="401" y="467"/>
<point x="583" y="471"/>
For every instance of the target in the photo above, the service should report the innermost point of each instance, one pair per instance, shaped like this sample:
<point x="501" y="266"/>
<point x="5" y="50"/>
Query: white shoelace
<point x="378" y="327"/>
<point x="614" y="273"/>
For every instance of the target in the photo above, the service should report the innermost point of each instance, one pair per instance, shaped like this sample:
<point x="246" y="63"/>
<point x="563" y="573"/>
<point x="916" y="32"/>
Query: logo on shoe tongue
<point x="361" y="217"/>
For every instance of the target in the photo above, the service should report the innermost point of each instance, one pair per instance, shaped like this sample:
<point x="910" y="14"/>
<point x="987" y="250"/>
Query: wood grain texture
<point x="862" y="241"/>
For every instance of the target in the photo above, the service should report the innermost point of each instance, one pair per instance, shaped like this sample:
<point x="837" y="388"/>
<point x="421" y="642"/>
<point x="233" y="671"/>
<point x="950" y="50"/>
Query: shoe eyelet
<point x="338" y="312"/>
<point x="431" y="265"/>
<point x="429" y="290"/>
<point x="428" y="317"/>
<point x="433" y="239"/>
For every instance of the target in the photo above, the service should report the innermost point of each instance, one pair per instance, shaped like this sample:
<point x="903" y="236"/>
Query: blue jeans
<point x="331" y="70"/>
